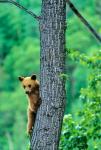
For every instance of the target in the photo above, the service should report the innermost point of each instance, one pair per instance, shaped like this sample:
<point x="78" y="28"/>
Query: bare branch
<point x="21" y="7"/>
<point x="84" y="21"/>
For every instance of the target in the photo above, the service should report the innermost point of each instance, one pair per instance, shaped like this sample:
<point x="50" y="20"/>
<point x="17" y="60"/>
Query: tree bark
<point x="49" y="118"/>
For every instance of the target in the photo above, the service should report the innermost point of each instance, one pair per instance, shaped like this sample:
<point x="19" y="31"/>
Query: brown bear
<point x="31" y="87"/>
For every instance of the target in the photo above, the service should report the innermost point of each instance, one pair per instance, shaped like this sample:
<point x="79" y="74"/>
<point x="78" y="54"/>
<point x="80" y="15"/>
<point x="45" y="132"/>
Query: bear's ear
<point x="21" y="78"/>
<point x="33" y="77"/>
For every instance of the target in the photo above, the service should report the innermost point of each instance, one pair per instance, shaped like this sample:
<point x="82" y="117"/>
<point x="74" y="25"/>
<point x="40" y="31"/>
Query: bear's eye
<point x="29" y="85"/>
<point x="24" y="86"/>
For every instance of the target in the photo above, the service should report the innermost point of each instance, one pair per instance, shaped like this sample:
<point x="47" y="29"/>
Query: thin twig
<point x="86" y="23"/>
<point x="21" y="7"/>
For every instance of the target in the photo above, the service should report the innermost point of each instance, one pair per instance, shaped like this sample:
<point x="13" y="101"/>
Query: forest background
<point x="20" y="55"/>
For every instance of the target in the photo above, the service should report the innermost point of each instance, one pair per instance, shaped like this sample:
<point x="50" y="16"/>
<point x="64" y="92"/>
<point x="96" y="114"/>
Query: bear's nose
<point x="27" y="92"/>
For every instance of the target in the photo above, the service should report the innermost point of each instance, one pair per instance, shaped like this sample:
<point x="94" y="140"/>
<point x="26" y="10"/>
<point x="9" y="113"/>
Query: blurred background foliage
<point x="20" y="55"/>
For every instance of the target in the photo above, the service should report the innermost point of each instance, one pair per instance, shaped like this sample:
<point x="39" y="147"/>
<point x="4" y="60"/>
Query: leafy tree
<point x="84" y="132"/>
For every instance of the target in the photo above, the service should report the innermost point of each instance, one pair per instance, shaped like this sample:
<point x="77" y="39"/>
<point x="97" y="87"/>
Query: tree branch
<point x="83" y="20"/>
<point x="21" y="7"/>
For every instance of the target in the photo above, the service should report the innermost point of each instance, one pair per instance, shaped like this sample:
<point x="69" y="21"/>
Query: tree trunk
<point x="48" y="124"/>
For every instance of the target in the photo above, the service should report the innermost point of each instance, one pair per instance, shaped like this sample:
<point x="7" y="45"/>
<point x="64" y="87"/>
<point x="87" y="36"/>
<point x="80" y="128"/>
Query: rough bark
<point x="48" y="124"/>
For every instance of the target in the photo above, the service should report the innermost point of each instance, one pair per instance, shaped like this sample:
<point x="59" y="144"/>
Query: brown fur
<point x="31" y="87"/>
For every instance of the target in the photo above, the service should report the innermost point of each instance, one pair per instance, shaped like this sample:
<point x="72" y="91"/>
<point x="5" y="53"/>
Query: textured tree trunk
<point x="48" y="124"/>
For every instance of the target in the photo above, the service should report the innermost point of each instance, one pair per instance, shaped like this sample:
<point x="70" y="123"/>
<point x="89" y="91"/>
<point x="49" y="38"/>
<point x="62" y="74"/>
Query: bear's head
<point x="30" y="84"/>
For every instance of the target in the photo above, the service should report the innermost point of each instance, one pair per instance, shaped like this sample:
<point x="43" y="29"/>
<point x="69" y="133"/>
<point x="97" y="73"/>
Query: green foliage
<point x="26" y="62"/>
<point x="84" y="130"/>
<point x="19" y="55"/>
<point x="10" y="25"/>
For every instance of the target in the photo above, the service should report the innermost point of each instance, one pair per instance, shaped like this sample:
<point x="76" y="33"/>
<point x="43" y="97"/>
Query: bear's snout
<point x="27" y="92"/>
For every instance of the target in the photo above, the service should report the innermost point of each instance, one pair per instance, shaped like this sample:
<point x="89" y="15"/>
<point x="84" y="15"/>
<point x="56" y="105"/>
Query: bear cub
<point x="31" y="88"/>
